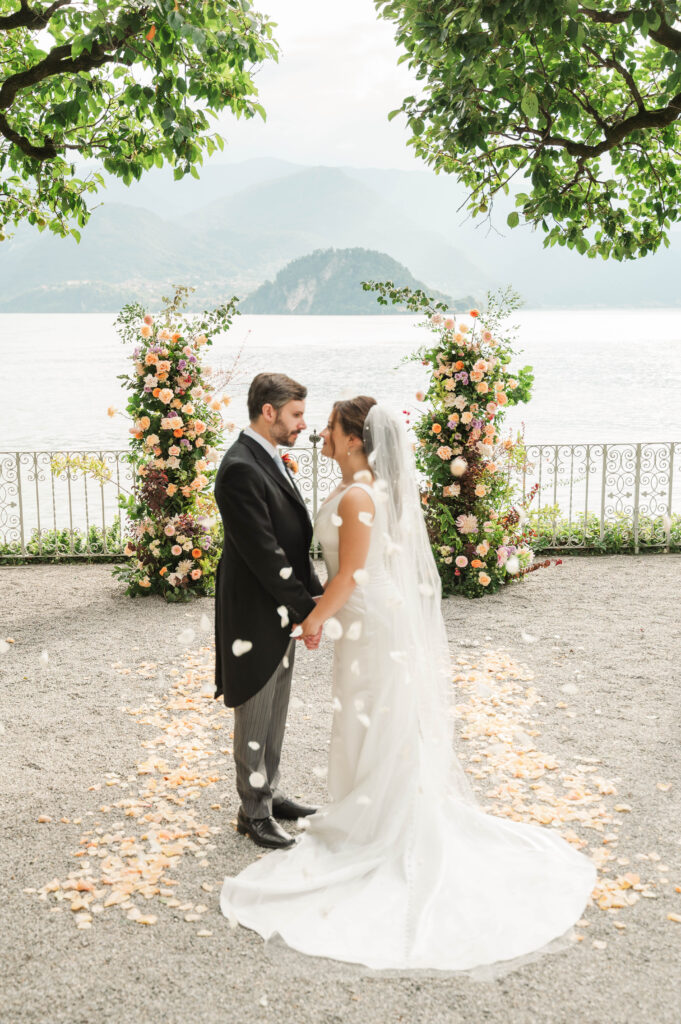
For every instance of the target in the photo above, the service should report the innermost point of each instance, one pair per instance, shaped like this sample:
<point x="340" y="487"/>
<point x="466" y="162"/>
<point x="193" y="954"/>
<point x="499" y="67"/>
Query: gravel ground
<point x="611" y="625"/>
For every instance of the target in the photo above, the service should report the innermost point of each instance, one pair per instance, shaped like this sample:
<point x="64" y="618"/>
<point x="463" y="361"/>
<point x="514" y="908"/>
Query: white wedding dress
<point x="402" y="869"/>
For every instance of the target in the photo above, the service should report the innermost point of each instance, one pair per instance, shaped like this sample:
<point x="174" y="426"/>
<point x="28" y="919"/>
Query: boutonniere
<point x="290" y="462"/>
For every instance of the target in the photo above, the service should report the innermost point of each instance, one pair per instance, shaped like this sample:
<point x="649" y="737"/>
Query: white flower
<point x="185" y="566"/>
<point x="458" y="467"/>
<point x="460" y="402"/>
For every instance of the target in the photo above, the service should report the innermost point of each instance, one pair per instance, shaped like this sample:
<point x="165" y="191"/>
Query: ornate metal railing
<point x="583" y="490"/>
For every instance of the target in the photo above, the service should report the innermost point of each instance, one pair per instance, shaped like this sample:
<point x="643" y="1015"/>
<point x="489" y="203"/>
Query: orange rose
<point x="436" y="428"/>
<point x="459" y="365"/>
<point x="175" y="337"/>
<point x="178" y="433"/>
<point x="162" y="571"/>
<point x="484" y="579"/>
<point x="156" y="392"/>
<point x="196" y="552"/>
<point x="477" y="564"/>
<point x="474" y="313"/>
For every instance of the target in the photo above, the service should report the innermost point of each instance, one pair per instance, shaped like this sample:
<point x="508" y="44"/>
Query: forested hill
<point x="329" y="281"/>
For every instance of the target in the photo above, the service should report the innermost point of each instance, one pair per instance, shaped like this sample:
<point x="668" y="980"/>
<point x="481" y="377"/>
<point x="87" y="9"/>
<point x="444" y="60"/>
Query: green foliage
<point x="552" y="531"/>
<point x="582" y="102"/>
<point x="64" y="545"/>
<point x="128" y="85"/>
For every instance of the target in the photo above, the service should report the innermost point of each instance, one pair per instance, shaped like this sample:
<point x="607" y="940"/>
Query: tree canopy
<point x="122" y="85"/>
<point x="577" y="104"/>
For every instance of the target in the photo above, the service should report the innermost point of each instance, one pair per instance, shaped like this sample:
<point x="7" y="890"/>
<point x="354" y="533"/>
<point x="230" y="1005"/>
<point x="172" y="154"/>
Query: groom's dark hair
<point x="274" y="389"/>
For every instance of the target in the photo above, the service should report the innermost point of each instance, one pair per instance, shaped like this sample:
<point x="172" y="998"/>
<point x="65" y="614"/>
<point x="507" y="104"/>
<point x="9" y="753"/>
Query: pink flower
<point x="449" y="323"/>
<point x="461" y="561"/>
<point x="436" y="319"/>
<point x="169" y="530"/>
<point x="466" y="524"/>
<point x="176" y="550"/>
<point x="148" y="319"/>
<point x="420" y="397"/>
<point x="195" y="573"/>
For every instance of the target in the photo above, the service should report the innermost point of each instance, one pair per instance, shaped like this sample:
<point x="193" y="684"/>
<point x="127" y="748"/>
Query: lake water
<point x="602" y="375"/>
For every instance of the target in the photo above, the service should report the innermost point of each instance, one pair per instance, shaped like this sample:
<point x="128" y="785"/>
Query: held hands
<point x="311" y="632"/>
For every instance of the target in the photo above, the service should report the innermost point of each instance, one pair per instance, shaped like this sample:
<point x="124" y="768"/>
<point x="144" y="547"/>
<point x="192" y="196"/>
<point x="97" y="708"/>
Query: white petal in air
<point x="206" y="624"/>
<point x="333" y="629"/>
<point x="337" y="706"/>
<point x="4" y="647"/>
<point x="285" y="573"/>
<point x="361" y="577"/>
<point x="336" y="520"/>
<point x="298" y="631"/>
<point x="363" y="800"/>
<point x="363" y="476"/>
<point x="240" y="647"/>
<point x="257" y="780"/>
<point x="354" y="668"/>
<point x="528" y="638"/>
<point x="366" y="518"/>
<point x="426" y="589"/>
<point x="364" y="720"/>
<point x="186" y="637"/>
<point x="358" y="704"/>
<point x="285" y="662"/>
<point x="282" y="612"/>
<point x="254" y="745"/>
<point x="44" y="658"/>
<point x="354" y="630"/>
<point x="399" y="656"/>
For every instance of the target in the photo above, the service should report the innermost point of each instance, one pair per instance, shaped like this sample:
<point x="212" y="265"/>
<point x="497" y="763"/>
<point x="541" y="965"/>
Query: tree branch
<point x="28" y="17"/>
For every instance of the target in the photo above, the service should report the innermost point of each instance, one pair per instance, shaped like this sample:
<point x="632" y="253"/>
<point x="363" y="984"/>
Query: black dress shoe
<point x="289" y="810"/>
<point x="264" y="832"/>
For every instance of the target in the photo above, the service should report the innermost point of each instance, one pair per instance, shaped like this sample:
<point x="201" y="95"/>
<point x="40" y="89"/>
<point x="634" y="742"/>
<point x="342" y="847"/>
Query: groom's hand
<point x="312" y="642"/>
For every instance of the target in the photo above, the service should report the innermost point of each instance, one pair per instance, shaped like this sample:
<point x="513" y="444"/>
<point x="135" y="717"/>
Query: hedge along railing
<point x="585" y="491"/>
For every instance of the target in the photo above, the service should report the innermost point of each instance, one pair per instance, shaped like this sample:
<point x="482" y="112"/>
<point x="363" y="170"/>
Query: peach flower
<point x="148" y="319"/>
<point x="484" y="579"/>
<point x="199" y="426"/>
<point x="461" y="561"/>
<point x="477" y="564"/>
<point x="145" y="582"/>
<point x="482" y="388"/>
<point x="480" y="490"/>
<point x="436" y="428"/>
<point x="169" y="530"/>
<point x="466" y="417"/>
<point x="176" y="550"/>
<point x="165" y="395"/>
<point x="449" y="323"/>
<point x="170" y="490"/>
<point x="501" y="398"/>
<point x="145" y="331"/>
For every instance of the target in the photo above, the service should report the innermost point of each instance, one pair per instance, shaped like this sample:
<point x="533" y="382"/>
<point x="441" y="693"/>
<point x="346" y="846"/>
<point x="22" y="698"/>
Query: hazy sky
<point x="328" y="98"/>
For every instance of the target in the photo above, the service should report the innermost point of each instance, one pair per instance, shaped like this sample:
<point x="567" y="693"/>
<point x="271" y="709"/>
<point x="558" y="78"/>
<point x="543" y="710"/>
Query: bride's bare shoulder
<point x="356" y="499"/>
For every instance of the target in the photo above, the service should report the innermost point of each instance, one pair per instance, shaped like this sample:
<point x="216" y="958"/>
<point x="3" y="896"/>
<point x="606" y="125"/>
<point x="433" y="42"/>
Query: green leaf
<point x="513" y="219"/>
<point x="530" y="104"/>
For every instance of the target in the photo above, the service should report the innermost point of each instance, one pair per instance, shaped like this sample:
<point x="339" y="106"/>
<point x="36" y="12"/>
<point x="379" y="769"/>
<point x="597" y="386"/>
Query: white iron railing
<point x="583" y="488"/>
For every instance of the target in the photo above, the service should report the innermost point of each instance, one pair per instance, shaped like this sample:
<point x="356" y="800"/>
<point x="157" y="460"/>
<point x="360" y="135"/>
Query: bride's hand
<point x="312" y="632"/>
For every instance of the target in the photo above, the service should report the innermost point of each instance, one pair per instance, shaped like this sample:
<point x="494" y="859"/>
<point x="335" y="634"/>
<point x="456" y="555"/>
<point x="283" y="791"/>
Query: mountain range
<point x="242" y="223"/>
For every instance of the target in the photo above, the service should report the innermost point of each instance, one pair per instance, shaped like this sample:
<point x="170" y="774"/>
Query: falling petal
<point x="257" y="780"/>
<point x="298" y="631"/>
<point x="390" y="546"/>
<point x="285" y="661"/>
<point x="354" y="630"/>
<point x="399" y="656"/>
<point x="333" y="629"/>
<point x="354" y="668"/>
<point x="363" y="476"/>
<point x="366" y="518"/>
<point x="320" y="772"/>
<point x="361" y="577"/>
<point x="337" y="706"/>
<point x="186" y="637"/>
<point x="44" y="658"/>
<point x="364" y="720"/>
<point x="528" y="638"/>
<point x="240" y="647"/>
<point x="4" y="647"/>
<point x="363" y="800"/>
<point x="569" y="688"/>
<point x="426" y="589"/>
<point x="336" y="520"/>
<point x="206" y="624"/>
<point x="286" y="572"/>
<point x="282" y="612"/>
<point x="358" y="704"/>
<point x="254" y="745"/>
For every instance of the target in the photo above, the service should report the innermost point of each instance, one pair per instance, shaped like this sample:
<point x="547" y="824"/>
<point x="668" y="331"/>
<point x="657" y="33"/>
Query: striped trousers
<point x="259" y="726"/>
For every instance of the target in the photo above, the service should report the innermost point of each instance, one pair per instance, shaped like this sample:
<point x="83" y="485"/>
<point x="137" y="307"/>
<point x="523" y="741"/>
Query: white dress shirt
<point x="269" y="448"/>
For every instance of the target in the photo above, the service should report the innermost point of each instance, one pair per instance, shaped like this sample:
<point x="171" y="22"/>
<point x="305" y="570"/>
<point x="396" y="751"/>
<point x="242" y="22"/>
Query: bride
<point x="401" y="869"/>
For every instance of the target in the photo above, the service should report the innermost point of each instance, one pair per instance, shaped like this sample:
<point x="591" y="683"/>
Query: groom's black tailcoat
<point x="267" y="528"/>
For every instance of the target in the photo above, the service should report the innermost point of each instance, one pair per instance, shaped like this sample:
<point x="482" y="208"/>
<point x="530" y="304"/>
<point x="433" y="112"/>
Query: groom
<point x="265" y="582"/>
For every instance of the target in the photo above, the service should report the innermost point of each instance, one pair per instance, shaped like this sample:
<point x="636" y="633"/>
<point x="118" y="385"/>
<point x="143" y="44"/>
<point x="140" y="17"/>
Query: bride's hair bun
<point x="351" y="414"/>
